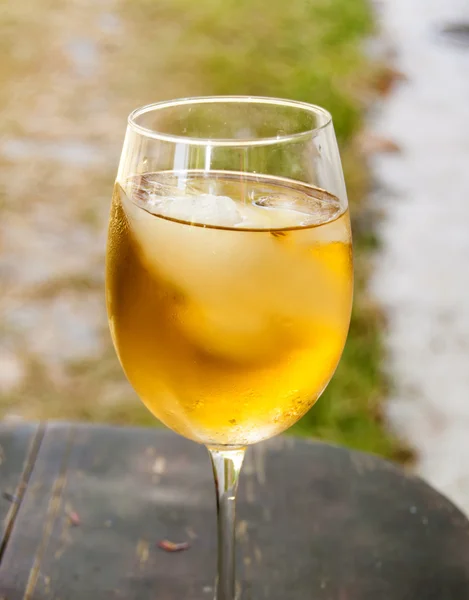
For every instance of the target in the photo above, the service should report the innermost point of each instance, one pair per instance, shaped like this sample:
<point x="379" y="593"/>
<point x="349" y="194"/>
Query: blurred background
<point x="70" y="74"/>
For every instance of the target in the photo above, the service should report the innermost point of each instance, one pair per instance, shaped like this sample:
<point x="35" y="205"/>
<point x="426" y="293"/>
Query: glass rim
<point x="231" y="142"/>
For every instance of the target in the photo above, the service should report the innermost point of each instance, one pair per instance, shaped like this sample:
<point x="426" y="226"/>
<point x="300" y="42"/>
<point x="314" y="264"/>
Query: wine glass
<point x="229" y="274"/>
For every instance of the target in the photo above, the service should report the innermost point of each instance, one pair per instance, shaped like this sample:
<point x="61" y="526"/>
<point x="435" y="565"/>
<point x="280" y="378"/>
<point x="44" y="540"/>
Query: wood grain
<point x="314" y="521"/>
<point x="18" y="448"/>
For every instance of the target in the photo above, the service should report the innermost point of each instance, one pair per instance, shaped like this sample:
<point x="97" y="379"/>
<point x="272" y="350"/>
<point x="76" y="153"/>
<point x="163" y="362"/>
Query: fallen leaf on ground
<point x="168" y="546"/>
<point x="385" y="80"/>
<point x="74" y="518"/>
<point x="369" y="143"/>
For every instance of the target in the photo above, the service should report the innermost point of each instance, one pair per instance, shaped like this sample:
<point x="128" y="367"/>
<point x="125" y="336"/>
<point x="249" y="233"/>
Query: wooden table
<point x="84" y="507"/>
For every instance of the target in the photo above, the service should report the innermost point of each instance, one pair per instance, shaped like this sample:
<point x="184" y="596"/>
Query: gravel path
<point x="422" y="275"/>
<point x="61" y="134"/>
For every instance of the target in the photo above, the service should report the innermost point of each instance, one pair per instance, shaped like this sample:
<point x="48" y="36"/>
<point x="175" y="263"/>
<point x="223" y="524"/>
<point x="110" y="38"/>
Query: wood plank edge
<point x="20" y="490"/>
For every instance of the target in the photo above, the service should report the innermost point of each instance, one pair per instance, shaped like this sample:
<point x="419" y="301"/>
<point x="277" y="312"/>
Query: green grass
<point x="309" y="50"/>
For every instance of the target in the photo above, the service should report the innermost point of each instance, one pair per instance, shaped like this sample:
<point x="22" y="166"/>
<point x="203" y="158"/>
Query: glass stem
<point x="226" y="465"/>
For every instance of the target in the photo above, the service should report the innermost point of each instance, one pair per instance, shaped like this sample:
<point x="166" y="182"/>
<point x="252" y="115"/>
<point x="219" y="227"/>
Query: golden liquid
<point x="230" y="333"/>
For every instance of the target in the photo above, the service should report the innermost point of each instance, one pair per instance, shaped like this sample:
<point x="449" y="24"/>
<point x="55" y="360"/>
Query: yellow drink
<point x="229" y="299"/>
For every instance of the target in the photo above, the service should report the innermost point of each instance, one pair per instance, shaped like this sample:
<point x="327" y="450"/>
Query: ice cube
<point x="298" y="209"/>
<point x="227" y="332"/>
<point x="204" y="209"/>
<point x="203" y="262"/>
<point x="260" y="273"/>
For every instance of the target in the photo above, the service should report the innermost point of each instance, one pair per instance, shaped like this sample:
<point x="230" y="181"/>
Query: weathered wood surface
<point x="18" y="447"/>
<point x="314" y="521"/>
